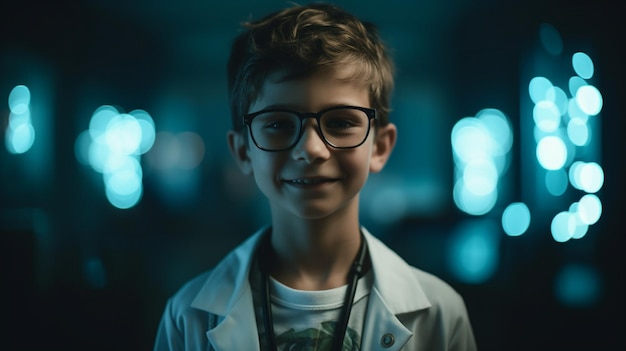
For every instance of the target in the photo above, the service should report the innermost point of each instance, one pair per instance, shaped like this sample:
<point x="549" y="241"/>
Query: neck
<point x="314" y="255"/>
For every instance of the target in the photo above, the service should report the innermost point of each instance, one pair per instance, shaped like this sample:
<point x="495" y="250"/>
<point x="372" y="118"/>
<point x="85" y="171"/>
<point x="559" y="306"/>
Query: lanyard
<point x="344" y="317"/>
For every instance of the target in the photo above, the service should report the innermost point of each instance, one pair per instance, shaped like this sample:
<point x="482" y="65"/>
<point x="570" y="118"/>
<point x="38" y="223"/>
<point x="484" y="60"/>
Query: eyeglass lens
<point x="276" y="130"/>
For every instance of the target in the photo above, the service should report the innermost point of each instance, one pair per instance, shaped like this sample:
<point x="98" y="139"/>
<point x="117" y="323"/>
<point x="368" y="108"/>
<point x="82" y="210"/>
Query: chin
<point x="312" y="214"/>
<point x="319" y="212"/>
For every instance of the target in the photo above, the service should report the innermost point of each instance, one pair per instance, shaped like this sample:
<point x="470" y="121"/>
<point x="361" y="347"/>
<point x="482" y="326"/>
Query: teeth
<point x="306" y="181"/>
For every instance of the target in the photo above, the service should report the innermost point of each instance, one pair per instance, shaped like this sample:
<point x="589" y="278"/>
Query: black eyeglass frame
<point x="370" y="112"/>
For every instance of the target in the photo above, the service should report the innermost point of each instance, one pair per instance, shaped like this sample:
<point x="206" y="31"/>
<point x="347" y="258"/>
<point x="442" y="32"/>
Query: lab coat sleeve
<point x="445" y="325"/>
<point x="169" y="336"/>
<point x="182" y="326"/>
<point x="462" y="335"/>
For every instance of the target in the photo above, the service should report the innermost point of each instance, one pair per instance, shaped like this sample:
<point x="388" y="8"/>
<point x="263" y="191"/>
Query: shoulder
<point x="182" y="324"/>
<point x="445" y="325"/>
<point x="188" y="292"/>
<point x="180" y="304"/>
<point x="439" y="293"/>
<point x="219" y="288"/>
<point x="407" y="288"/>
<point x="447" y="311"/>
<point x="424" y="303"/>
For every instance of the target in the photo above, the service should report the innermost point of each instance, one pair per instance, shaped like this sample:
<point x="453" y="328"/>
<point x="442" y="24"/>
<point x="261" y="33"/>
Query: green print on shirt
<point x="313" y="339"/>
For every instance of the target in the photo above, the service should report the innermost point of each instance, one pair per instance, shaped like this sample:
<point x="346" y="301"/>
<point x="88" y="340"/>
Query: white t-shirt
<point x="305" y="320"/>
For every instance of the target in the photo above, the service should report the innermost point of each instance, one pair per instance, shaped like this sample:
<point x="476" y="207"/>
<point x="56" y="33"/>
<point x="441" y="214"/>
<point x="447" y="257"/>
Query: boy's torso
<point x="406" y="307"/>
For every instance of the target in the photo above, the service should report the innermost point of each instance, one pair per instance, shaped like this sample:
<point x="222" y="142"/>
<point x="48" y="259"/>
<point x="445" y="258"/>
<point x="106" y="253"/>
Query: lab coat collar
<point x="394" y="279"/>
<point x="228" y="283"/>
<point x="227" y="293"/>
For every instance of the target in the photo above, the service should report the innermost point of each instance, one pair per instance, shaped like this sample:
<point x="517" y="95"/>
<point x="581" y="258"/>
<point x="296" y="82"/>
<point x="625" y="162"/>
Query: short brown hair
<point x="300" y="41"/>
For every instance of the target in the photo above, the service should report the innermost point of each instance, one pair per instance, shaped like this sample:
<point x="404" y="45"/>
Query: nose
<point x="311" y="146"/>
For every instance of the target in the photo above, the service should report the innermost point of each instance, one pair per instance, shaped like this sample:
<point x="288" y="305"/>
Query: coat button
<point x="387" y="340"/>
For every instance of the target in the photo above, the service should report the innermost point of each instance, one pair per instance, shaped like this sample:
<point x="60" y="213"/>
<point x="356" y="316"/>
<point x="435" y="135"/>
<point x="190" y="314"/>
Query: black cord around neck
<point x="356" y="272"/>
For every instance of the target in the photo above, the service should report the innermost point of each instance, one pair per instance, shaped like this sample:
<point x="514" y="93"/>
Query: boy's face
<point x="313" y="180"/>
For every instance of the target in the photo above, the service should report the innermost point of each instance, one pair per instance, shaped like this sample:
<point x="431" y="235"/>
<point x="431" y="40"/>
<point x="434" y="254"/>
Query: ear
<point x="239" y="149"/>
<point x="384" y="142"/>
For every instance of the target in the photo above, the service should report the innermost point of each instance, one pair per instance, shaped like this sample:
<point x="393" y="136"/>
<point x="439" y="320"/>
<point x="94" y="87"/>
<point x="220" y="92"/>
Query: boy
<point x="309" y="91"/>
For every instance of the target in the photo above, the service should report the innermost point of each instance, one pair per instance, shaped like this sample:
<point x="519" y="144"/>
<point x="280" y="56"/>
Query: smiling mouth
<point x="309" y="181"/>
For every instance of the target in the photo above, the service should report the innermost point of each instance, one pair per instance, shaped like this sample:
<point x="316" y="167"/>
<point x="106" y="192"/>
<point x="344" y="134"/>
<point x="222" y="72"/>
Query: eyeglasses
<point x="342" y="127"/>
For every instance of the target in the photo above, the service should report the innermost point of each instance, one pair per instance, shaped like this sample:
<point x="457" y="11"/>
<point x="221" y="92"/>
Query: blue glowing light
<point x="470" y="140"/>
<point x="98" y="154"/>
<point x="100" y="120"/>
<point x="556" y="182"/>
<point x="124" y="201"/>
<point x="113" y="146"/>
<point x="574" y="174"/>
<point x="480" y="176"/>
<point x="547" y="116"/>
<point x="582" y="64"/>
<point x="574" y="111"/>
<point x="574" y="223"/>
<point x="581" y="228"/>
<point x="591" y="177"/>
<point x="124" y="177"/>
<point x="148" y="134"/>
<point x="563" y="226"/>
<point x="589" y="99"/>
<point x="578" y="285"/>
<point x="499" y="129"/>
<point x="551" y="152"/>
<point x="20" y="132"/>
<point x="564" y="122"/>
<point x="589" y="209"/>
<point x="538" y="89"/>
<point x="123" y="135"/>
<point x="550" y="39"/>
<point x="586" y="176"/>
<point x="557" y="96"/>
<point x="474" y="251"/>
<point x="16" y="120"/>
<point x="20" y="139"/>
<point x="574" y="84"/>
<point x="578" y="132"/>
<point x="516" y="219"/>
<point x="19" y="99"/>
<point x="81" y="147"/>
<point x="481" y="147"/>
<point x="472" y="203"/>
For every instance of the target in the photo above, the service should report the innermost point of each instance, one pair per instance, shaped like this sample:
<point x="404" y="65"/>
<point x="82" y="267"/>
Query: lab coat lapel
<point x="237" y="330"/>
<point x="395" y="291"/>
<point x="227" y="294"/>
<point x="382" y="330"/>
<point x="394" y="279"/>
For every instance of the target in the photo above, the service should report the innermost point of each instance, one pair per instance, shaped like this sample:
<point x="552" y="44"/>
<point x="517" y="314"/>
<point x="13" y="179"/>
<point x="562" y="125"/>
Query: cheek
<point x="260" y="166"/>
<point x="265" y="169"/>
<point x="358" y="164"/>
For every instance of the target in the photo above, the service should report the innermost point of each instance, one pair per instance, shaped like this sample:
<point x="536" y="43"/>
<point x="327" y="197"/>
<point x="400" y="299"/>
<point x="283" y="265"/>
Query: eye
<point x="279" y="124"/>
<point x="340" y="123"/>
<point x="276" y="121"/>
<point x="343" y="119"/>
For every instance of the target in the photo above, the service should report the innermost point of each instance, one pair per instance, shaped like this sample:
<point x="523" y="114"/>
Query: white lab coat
<point x="408" y="309"/>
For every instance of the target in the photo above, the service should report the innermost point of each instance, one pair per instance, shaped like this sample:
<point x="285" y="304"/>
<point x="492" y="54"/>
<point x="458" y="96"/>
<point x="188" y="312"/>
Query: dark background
<point x="79" y="273"/>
